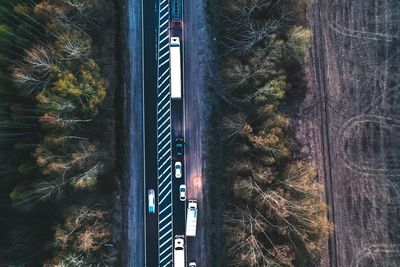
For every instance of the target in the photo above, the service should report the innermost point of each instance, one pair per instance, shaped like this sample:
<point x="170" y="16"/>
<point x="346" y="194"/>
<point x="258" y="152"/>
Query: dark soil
<point x="106" y="53"/>
<point x="350" y="124"/>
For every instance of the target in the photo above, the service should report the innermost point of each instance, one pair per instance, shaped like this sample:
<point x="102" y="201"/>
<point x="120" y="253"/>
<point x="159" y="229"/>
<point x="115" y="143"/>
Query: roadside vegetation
<point x="51" y="96"/>
<point x="275" y="214"/>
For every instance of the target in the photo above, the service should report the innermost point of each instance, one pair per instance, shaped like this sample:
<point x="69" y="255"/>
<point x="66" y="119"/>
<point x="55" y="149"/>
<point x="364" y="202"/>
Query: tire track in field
<point x="375" y="44"/>
<point x="346" y="134"/>
<point x="376" y="251"/>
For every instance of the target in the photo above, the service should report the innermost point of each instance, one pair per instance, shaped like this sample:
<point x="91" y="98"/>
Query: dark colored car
<point x="179" y="147"/>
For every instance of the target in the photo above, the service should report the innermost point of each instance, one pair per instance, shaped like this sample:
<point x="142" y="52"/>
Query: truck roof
<point x="175" y="41"/>
<point x="176" y="10"/>
<point x="192" y="204"/>
<point x="175" y="71"/>
<point x="179" y="241"/>
<point x="179" y="251"/>
<point x="191" y="218"/>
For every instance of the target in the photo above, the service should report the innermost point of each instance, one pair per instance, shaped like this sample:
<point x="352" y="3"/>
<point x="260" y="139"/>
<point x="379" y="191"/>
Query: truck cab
<point x="191" y="218"/>
<point x="179" y="251"/>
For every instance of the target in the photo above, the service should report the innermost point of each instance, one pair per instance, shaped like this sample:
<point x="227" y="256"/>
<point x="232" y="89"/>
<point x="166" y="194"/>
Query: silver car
<point x="182" y="192"/>
<point x="178" y="169"/>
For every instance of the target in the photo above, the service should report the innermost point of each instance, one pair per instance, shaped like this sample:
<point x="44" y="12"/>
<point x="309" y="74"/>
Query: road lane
<point x="163" y="124"/>
<point x="195" y="47"/>
<point x="133" y="117"/>
<point x="177" y="132"/>
<point x="150" y="22"/>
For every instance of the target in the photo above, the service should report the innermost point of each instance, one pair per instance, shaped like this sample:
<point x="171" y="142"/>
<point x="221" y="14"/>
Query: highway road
<point x="163" y="124"/>
<point x="155" y="123"/>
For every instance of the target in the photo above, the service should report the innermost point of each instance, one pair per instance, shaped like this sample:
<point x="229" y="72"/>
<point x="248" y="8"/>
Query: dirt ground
<point x="350" y="123"/>
<point x="196" y="60"/>
<point x="106" y="55"/>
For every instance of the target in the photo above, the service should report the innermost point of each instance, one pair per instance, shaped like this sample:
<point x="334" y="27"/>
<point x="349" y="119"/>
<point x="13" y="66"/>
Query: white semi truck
<point x="179" y="251"/>
<point x="175" y="65"/>
<point x="191" y="219"/>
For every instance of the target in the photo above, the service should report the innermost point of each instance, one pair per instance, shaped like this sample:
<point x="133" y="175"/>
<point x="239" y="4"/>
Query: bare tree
<point x="62" y="140"/>
<point x="85" y="231"/>
<point x="233" y="125"/>
<point x="73" y="45"/>
<point x="235" y="74"/>
<point x="299" y="177"/>
<point x="53" y="103"/>
<point x="82" y="6"/>
<point x="240" y="166"/>
<point x="88" y="178"/>
<point x="41" y="59"/>
<point x="302" y="218"/>
<point x="244" y="31"/>
<point x="267" y="93"/>
<point x="221" y="90"/>
<point x="297" y="44"/>
<point x="35" y="72"/>
<point x="251" y="35"/>
<point x="46" y="190"/>
<point x="84" y="155"/>
<point x="246" y="231"/>
<point x="26" y="80"/>
<point x="61" y="16"/>
<point x="62" y="122"/>
<point x="72" y="259"/>
<point x="253" y="72"/>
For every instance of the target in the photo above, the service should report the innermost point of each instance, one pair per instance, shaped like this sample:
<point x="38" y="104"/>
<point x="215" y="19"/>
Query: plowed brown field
<point x="351" y="117"/>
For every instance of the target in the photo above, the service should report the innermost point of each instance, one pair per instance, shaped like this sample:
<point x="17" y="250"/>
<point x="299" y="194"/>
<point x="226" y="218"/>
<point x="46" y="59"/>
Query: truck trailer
<point x="176" y="10"/>
<point x="179" y="251"/>
<point x="191" y="218"/>
<point x="175" y="65"/>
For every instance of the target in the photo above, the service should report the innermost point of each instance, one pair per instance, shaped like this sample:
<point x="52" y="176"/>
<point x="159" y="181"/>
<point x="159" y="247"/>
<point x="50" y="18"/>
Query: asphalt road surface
<point x="163" y="124"/>
<point x="195" y="60"/>
<point x="134" y="219"/>
<point x="177" y="127"/>
<point x="143" y="44"/>
<point x="150" y="22"/>
<point x="177" y="132"/>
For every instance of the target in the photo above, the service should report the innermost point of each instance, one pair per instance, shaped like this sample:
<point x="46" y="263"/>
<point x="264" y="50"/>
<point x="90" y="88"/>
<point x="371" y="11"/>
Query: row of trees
<point x="53" y="92"/>
<point x="276" y="216"/>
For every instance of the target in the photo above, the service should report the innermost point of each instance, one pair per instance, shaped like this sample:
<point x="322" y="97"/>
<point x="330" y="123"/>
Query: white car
<point x="182" y="192"/>
<point x="192" y="264"/>
<point x="178" y="169"/>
